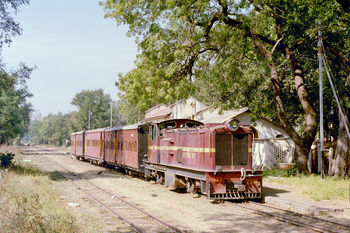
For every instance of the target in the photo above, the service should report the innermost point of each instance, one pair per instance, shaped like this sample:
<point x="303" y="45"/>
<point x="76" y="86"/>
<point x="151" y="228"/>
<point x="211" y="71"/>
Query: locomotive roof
<point x="80" y="132"/>
<point x="95" y="130"/>
<point x="183" y="119"/>
<point x="135" y="126"/>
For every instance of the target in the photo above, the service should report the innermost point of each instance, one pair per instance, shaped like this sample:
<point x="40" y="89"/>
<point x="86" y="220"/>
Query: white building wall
<point x="187" y="108"/>
<point x="155" y="109"/>
<point x="273" y="144"/>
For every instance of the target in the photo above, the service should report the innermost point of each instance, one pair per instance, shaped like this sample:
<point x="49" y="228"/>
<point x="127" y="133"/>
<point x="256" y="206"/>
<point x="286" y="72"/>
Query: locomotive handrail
<point x="243" y="174"/>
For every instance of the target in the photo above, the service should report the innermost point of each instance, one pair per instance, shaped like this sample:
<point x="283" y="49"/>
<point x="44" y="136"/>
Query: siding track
<point x="291" y="217"/>
<point x="138" y="219"/>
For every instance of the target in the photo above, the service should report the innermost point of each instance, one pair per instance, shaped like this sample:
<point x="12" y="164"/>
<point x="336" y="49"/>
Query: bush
<point x="6" y="159"/>
<point x="276" y="172"/>
<point x="31" y="204"/>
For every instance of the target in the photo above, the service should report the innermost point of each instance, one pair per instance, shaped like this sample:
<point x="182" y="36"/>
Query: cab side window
<point x="153" y="132"/>
<point x="161" y="129"/>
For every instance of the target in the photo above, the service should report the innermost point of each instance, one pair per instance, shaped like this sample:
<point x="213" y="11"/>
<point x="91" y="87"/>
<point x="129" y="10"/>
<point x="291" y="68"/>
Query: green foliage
<point x="15" y="111"/>
<point x="183" y="54"/>
<point x="223" y="53"/>
<point x="313" y="186"/>
<point x="55" y="129"/>
<point x="34" y="133"/>
<point x="130" y="113"/>
<point x="277" y="172"/>
<point x="98" y="105"/>
<point x="6" y="159"/>
<point x="9" y="27"/>
<point x="191" y="48"/>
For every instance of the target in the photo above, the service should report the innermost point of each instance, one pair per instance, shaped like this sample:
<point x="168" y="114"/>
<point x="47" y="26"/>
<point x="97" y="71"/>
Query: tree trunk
<point x="341" y="166"/>
<point x="302" y="144"/>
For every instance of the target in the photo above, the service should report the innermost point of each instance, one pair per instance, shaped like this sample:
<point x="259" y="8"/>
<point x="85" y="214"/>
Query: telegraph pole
<point x="89" y="118"/>
<point x="111" y="113"/>
<point x="321" y="96"/>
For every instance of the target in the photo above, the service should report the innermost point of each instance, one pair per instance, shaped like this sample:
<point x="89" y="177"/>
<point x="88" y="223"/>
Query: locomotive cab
<point x="233" y="177"/>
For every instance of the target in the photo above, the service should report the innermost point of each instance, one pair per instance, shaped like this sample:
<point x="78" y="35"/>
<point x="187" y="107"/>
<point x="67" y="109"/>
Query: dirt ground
<point x="191" y="213"/>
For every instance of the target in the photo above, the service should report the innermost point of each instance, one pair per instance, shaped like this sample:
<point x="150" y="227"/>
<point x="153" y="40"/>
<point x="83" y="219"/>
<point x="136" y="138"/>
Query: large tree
<point x="243" y="52"/>
<point x="54" y="129"/>
<point x="98" y="105"/>
<point x="8" y="26"/>
<point x="14" y="108"/>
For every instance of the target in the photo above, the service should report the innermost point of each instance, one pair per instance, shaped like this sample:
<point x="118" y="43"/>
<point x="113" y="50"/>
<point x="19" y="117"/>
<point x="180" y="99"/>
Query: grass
<point x="311" y="185"/>
<point x="29" y="202"/>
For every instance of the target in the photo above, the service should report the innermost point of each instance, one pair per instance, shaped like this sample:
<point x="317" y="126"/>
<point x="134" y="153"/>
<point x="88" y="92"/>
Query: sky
<point x="73" y="47"/>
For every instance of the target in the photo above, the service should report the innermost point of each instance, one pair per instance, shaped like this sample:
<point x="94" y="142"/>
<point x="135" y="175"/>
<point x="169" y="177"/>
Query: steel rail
<point x="135" y="207"/>
<point x="106" y="206"/>
<point x="175" y="229"/>
<point x="288" y="220"/>
<point x="346" y="227"/>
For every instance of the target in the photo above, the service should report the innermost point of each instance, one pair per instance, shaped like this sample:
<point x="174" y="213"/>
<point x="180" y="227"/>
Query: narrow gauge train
<point x="213" y="159"/>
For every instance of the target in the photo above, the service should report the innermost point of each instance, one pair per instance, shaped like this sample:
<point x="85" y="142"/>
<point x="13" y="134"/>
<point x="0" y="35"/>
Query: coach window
<point x="153" y="132"/>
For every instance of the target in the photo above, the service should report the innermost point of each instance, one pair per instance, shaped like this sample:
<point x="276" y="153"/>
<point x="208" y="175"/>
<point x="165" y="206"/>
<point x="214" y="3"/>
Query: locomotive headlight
<point x="233" y="125"/>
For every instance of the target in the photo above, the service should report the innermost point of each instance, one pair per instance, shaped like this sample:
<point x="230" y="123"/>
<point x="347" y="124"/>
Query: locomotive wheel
<point x="160" y="179"/>
<point x="191" y="187"/>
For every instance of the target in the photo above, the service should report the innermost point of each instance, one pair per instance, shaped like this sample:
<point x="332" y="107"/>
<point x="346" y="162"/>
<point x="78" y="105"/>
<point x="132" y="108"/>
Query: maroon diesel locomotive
<point x="213" y="159"/>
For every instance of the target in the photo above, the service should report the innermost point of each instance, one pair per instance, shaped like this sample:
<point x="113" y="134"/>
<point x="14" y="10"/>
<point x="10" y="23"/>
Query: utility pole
<point x="321" y="96"/>
<point x="89" y="117"/>
<point x="111" y="113"/>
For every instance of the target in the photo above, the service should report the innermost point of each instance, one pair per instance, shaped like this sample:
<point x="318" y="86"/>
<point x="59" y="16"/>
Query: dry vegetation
<point x="29" y="203"/>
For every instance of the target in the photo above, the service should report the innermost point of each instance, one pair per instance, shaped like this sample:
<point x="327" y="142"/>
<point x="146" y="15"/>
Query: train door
<point x="201" y="154"/>
<point x="153" y="149"/>
<point x="142" y="145"/>
<point x="115" y="146"/>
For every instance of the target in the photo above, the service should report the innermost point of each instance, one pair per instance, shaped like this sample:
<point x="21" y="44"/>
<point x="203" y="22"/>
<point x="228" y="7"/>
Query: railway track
<point x="138" y="219"/>
<point x="291" y="217"/>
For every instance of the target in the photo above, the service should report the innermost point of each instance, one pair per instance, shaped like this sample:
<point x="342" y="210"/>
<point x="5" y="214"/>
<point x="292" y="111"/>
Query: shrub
<point x="6" y="159"/>
<point x="31" y="204"/>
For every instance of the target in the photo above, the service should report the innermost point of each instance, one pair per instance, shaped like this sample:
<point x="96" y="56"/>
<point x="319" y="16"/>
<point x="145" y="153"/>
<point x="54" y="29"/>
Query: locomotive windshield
<point x="192" y="124"/>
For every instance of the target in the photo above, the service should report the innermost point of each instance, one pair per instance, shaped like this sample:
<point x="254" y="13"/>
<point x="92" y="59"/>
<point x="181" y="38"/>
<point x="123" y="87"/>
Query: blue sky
<point x="74" y="49"/>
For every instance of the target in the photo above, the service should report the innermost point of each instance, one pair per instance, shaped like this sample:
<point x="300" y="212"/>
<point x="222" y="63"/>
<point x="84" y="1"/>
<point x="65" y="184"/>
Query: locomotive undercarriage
<point x="195" y="182"/>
